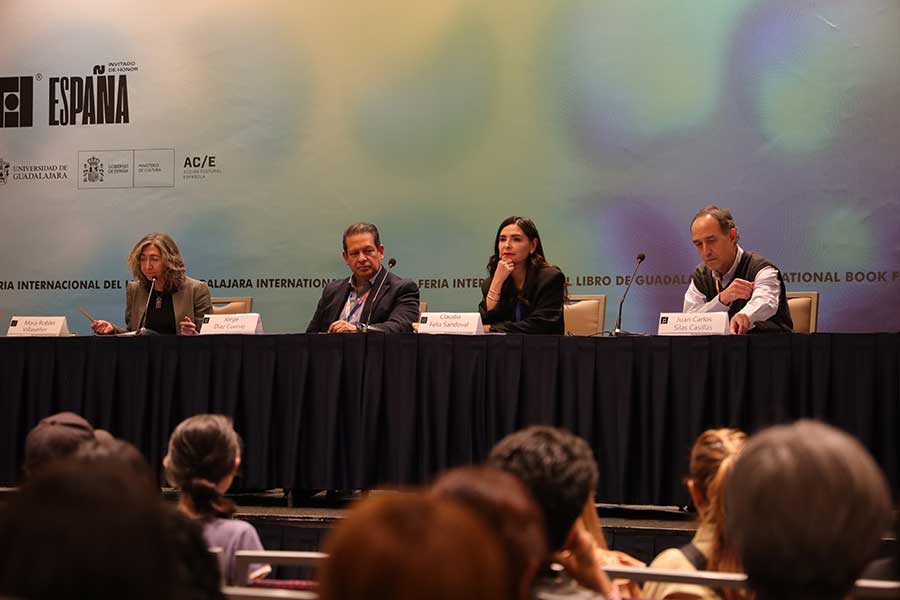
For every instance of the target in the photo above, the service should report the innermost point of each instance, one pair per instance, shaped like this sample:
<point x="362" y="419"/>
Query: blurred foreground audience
<point x="203" y="458"/>
<point x="806" y="506"/>
<point x="503" y="503"/>
<point x="57" y="437"/>
<point x="559" y="470"/>
<point x="94" y="531"/>
<point x="712" y="458"/>
<point x="410" y="547"/>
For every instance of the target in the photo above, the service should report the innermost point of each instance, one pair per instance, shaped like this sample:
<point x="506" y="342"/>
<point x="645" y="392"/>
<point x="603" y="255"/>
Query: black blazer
<point x="396" y="308"/>
<point x="542" y="311"/>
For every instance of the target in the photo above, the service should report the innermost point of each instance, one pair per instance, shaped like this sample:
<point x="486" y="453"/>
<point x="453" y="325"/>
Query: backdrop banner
<point x="254" y="137"/>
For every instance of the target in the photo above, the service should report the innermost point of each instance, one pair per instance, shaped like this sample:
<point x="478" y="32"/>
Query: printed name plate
<point x="715" y="323"/>
<point x="455" y="323"/>
<point x="37" y="326"/>
<point x="242" y="323"/>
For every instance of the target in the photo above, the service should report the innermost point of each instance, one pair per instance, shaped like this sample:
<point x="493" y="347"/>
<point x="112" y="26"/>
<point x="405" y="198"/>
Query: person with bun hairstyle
<point x="523" y="292"/>
<point x="712" y="457"/>
<point x="203" y="458"/>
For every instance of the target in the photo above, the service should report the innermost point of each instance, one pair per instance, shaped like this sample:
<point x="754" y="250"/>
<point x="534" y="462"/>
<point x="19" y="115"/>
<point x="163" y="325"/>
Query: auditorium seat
<point x="244" y="558"/>
<point x="804" y="309"/>
<point x="232" y="306"/>
<point x="864" y="588"/>
<point x="252" y="593"/>
<point x="585" y="314"/>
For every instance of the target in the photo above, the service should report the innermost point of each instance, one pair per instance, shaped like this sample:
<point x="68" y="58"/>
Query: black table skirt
<point x="357" y="411"/>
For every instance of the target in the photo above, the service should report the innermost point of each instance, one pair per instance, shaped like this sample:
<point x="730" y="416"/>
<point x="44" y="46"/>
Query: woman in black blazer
<point x="523" y="293"/>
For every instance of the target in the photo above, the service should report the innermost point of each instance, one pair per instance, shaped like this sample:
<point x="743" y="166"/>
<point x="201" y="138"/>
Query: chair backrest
<point x="423" y="308"/>
<point x="804" y="309"/>
<point x="232" y="306"/>
<point x="585" y="314"/>
<point x="253" y="593"/>
<point x="244" y="558"/>
<point x="863" y="588"/>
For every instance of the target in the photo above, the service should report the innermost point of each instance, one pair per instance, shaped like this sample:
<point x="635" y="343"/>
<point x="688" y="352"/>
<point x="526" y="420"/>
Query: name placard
<point x="452" y="323"/>
<point x="714" y="323"/>
<point x="241" y="323"/>
<point x="37" y="326"/>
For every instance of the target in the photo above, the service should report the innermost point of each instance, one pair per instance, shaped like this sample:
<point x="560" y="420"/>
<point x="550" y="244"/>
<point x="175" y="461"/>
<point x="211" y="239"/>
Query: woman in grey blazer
<point x="175" y="303"/>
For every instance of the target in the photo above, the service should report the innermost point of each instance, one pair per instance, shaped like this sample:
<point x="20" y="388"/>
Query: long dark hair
<point x="202" y="452"/>
<point x="534" y="263"/>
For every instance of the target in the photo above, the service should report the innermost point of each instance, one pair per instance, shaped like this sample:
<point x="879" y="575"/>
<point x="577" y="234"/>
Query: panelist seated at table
<point x="523" y="292"/>
<point x="744" y="284"/>
<point x="175" y="304"/>
<point x="371" y="298"/>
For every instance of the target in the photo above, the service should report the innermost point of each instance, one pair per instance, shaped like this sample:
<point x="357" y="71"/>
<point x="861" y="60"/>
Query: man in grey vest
<point x="744" y="284"/>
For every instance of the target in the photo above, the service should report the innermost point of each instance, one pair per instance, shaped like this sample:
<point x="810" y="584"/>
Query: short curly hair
<point x="558" y="468"/>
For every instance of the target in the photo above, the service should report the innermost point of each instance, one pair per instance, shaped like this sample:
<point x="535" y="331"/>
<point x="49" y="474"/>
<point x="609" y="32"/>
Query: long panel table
<point x="357" y="411"/>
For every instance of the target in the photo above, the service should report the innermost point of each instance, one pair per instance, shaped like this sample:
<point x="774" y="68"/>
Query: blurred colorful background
<point x="609" y="123"/>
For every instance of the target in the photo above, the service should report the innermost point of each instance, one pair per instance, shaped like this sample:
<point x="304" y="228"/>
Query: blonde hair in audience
<point x="712" y="458"/>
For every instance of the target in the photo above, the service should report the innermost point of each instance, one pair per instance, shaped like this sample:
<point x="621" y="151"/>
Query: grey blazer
<point x="191" y="299"/>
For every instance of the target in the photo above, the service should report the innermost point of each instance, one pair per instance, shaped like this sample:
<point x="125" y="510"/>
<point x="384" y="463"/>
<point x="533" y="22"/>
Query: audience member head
<point x="507" y="508"/>
<point x="712" y="458"/>
<point x="807" y="506"/>
<point x="559" y="470"/>
<point x="203" y="457"/>
<point x="72" y="532"/>
<point x="95" y="452"/>
<point x="56" y="437"/>
<point x="408" y="546"/>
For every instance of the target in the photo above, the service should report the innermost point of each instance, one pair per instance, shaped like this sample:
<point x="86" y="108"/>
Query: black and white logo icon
<point x="16" y="101"/>
<point x="4" y="171"/>
<point x="663" y="320"/>
<point x="93" y="170"/>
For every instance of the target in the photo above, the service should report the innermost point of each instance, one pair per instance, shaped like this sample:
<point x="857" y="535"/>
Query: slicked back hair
<point x="360" y="228"/>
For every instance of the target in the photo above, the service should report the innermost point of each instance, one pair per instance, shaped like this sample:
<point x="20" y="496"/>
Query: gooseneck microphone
<point x="391" y="262"/>
<point x="618" y="330"/>
<point x="140" y="329"/>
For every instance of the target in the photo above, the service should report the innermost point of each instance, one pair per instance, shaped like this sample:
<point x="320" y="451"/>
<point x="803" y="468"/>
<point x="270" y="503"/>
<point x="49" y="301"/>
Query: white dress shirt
<point x="761" y="306"/>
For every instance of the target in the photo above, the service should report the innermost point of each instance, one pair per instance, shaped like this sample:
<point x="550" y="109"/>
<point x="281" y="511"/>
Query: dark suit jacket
<point x="395" y="310"/>
<point x="542" y="311"/>
<point x="191" y="299"/>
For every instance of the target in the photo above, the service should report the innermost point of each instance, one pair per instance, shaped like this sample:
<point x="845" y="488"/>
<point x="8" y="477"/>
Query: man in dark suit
<point x="351" y="305"/>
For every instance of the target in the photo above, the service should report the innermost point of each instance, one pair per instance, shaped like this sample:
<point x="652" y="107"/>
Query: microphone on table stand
<point x="365" y="327"/>
<point x="618" y="330"/>
<point x="141" y="330"/>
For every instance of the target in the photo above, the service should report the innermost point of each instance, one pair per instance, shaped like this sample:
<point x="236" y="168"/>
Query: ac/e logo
<point x="198" y="162"/>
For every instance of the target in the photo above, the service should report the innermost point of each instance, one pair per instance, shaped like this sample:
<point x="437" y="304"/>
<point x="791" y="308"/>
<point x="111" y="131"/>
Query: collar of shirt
<point x="728" y="276"/>
<point x="367" y="285"/>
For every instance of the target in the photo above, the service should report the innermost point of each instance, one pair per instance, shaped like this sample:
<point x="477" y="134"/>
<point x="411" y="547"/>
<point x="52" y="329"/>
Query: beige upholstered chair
<point x="232" y="306"/>
<point x="585" y="314"/>
<point x="804" y="308"/>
